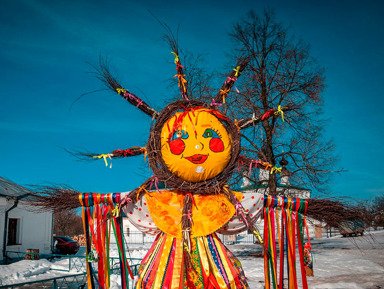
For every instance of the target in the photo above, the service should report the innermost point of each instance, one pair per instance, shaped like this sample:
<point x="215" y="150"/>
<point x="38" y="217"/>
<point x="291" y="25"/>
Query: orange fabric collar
<point x="209" y="213"/>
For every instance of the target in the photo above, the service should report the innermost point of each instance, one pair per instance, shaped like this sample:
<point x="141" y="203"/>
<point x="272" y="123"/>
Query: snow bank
<point x="23" y="271"/>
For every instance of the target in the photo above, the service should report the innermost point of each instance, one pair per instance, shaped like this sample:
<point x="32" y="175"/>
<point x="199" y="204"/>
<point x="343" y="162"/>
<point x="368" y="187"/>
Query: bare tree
<point x="378" y="211"/>
<point x="281" y="72"/>
<point x="67" y="223"/>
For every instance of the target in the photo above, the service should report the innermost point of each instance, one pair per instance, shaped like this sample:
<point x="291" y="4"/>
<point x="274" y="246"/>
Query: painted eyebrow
<point x="206" y="125"/>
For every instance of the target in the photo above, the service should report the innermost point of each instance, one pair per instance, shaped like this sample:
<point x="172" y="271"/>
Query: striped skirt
<point x="214" y="265"/>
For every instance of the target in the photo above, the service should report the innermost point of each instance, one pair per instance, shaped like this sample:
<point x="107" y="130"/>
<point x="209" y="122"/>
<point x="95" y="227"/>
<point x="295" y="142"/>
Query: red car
<point x="65" y="245"/>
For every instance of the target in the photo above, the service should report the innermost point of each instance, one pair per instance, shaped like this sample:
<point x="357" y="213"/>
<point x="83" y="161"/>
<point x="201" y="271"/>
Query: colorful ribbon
<point x="133" y="97"/>
<point x="176" y="57"/>
<point x="268" y="114"/>
<point x="214" y="103"/>
<point x="290" y="232"/>
<point x="154" y="180"/>
<point x="280" y="111"/>
<point x="239" y="209"/>
<point x="237" y="71"/>
<point x="276" y="170"/>
<point x="105" y="156"/>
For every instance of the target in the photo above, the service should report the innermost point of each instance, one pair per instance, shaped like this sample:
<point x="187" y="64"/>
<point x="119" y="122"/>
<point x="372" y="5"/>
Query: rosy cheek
<point x="216" y="145"/>
<point x="177" y="146"/>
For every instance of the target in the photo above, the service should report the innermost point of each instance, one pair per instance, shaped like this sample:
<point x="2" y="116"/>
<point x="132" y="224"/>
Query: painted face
<point x="195" y="145"/>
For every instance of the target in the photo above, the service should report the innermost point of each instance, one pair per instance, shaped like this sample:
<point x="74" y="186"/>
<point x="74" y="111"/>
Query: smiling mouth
<point x="197" y="159"/>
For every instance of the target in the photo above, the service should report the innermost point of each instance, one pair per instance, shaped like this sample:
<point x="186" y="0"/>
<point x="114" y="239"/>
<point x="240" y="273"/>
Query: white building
<point x="21" y="228"/>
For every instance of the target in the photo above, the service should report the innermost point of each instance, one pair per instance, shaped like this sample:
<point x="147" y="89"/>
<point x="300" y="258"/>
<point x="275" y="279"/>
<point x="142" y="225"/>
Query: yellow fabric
<point x="202" y="145"/>
<point x="162" y="266"/>
<point x="178" y="265"/>
<point x="204" y="255"/>
<point x="209" y="214"/>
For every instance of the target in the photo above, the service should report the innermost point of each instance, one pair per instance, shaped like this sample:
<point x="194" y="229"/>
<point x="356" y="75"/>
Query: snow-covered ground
<point x="352" y="263"/>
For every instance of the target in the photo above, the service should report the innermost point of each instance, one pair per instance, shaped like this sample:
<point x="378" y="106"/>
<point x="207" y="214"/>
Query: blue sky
<point x="46" y="48"/>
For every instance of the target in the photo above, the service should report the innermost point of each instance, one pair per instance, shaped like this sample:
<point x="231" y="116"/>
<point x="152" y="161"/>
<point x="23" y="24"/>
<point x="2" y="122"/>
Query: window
<point x="13" y="231"/>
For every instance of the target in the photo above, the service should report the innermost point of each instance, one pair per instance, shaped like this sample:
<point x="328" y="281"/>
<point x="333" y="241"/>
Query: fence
<point x="72" y="262"/>
<point x="134" y="238"/>
<point x="237" y="239"/>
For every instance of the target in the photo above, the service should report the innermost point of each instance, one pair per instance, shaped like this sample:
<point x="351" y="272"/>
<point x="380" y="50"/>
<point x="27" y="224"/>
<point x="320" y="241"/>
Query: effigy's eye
<point x="180" y="134"/>
<point x="210" y="133"/>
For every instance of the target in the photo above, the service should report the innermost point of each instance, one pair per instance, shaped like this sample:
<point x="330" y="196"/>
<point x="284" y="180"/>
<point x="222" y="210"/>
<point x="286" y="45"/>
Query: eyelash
<point x="218" y="133"/>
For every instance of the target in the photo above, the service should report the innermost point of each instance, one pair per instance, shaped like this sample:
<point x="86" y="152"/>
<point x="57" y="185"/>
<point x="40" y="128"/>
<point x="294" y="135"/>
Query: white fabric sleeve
<point x="253" y="205"/>
<point x="138" y="215"/>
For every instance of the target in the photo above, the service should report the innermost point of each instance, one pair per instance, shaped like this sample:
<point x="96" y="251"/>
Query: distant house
<point x="21" y="228"/>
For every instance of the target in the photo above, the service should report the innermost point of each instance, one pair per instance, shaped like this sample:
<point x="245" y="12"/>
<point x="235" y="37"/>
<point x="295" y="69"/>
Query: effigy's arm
<point x="119" y="153"/>
<point x="253" y="206"/>
<point x="139" y="216"/>
<point x="64" y="198"/>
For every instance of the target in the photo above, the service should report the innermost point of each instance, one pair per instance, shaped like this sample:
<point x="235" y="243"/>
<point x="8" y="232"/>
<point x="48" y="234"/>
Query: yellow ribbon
<point x="276" y="169"/>
<point x="257" y="235"/>
<point x="176" y="56"/>
<point x="115" y="211"/>
<point x="121" y="90"/>
<point x="104" y="156"/>
<point x="225" y="187"/>
<point x="279" y="110"/>
<point x="237" y="71"/>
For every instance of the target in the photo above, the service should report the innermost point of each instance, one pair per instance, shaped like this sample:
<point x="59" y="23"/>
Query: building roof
<point x="11" y="189"/>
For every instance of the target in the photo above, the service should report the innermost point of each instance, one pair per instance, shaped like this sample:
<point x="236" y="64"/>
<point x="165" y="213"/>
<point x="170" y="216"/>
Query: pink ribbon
<point x="229" y="79"/>
<point x="184" y="95"/>
<point x="214" y="103"/>
<point x="189" y="215"/>
<point x="253" y="162"/>
<point x="155" y="181"/>
<point x="131" y="96"/>
<point x="239" y="208"/>
<point x="125" y="201"/>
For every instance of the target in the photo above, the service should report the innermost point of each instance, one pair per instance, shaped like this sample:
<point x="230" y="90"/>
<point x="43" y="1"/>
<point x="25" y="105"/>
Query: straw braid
<point x="230" y="81"/>
<point x="106" y="77"/>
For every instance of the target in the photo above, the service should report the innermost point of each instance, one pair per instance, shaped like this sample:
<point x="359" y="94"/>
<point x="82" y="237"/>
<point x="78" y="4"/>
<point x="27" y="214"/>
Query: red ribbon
<point x="268" y="114"/>
<point x="193" y="200"/>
